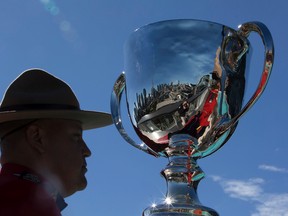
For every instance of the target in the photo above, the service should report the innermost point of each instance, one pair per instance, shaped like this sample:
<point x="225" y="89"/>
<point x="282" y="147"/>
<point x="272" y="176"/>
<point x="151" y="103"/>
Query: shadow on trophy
<point x="184" y="82"/>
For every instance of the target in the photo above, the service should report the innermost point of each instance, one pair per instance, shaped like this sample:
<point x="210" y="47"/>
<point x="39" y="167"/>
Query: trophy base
<point x="179" y="210"/>
<point x="182" y="175"/>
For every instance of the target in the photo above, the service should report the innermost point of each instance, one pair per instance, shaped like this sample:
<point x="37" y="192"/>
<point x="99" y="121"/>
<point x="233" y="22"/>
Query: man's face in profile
<point x="65" y="154"/>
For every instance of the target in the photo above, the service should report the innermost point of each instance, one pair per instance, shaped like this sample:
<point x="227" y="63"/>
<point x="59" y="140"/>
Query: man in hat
<point x="43" y="154"/>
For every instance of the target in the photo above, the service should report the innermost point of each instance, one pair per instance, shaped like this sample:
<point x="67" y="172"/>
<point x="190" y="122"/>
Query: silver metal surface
<point x="186" y="78"/>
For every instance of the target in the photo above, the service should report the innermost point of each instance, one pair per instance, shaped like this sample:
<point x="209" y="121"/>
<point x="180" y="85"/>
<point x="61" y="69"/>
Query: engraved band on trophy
<point x="184" y="83"/>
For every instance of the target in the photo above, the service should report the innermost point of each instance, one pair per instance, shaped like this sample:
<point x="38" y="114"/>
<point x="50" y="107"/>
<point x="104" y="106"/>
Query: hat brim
<point x="89" y="119"/>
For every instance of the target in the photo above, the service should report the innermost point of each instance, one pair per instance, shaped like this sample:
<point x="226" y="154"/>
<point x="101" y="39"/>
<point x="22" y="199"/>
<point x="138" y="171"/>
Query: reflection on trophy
<point x="184" y="82"/>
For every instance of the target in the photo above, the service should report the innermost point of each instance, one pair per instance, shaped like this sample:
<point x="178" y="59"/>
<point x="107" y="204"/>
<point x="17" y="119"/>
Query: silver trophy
<point x="184" y="83"/>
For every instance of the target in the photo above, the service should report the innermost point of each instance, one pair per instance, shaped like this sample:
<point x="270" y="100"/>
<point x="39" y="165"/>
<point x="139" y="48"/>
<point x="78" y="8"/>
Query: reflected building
<point x="169" y="107"/>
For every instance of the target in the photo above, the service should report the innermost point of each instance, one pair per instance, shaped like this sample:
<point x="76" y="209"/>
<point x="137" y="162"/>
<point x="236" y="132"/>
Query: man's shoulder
<point x="9" y="185"/>
<point x="21" y="197"/>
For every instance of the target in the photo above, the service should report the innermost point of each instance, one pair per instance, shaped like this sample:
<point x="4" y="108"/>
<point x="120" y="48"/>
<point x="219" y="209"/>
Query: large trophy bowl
<point x="184" y="83"/>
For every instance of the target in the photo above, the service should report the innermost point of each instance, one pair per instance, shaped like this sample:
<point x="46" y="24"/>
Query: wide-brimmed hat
<point x="36" y="94"/>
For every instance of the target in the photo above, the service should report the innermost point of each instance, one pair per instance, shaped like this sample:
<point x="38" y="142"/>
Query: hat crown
<point x="36" y="88"/>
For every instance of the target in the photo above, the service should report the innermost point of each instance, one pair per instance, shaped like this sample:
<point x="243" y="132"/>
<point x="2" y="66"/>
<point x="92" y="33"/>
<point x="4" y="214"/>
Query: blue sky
<point x="82" y="43"/>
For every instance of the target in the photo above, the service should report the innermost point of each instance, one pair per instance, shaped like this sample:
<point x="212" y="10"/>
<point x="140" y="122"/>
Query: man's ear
<point x="34" y="136"/>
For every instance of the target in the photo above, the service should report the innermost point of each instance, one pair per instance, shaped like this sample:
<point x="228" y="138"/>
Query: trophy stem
<point x="182" y="175"/>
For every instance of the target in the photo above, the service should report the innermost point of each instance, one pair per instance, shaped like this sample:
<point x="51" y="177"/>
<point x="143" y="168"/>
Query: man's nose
<point x="86" y="150"/>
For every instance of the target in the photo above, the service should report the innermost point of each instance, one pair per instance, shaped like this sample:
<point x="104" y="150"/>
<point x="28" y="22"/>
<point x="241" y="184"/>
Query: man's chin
<point x="83" y="184"/>
<point x="79" y="187"/>
<point x="82" y="187"/>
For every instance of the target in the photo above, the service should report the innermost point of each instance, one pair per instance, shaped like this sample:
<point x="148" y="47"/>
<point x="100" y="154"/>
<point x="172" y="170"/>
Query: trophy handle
<point x="244" y="30"/>
<point x="116" y="96"/>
